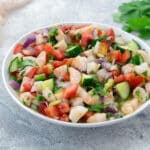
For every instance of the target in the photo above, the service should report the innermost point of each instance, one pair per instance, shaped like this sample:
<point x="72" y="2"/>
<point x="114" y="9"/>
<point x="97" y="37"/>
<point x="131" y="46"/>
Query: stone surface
<point x="20" y="130"/>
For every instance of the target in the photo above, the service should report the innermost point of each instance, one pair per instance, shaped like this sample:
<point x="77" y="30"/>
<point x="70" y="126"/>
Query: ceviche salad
<point x="80" y="73"/>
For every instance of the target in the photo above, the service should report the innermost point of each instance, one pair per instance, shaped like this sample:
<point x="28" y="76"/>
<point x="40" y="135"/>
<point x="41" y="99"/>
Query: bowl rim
<point x="58" y="122"/>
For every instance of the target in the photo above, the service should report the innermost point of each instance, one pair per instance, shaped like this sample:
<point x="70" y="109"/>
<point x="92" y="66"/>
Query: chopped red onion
<point x="30" y="39"/>
<point x="111" y="110"/>
<point x="45" y="33"/>
<point x="14" y="84"/>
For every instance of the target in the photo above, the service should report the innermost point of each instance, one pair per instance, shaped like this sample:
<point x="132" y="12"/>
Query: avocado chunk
<point x="123" y="90"/>
<point x="48" y="84"/>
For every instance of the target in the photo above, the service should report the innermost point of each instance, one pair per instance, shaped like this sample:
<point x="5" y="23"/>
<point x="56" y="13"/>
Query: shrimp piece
<point x="128" y="68"/>
<point x="140" y="94"/>
<point x="75" y="76"/>
<point x="60" y="72"/>
<point x="25" y="79"/>
<point x="26" y="98"/>
<point x="48" y="94"/>
<point x="41" y="59"/>
<point x="141" y="68"/>
<point x="36" y="87"/>
<point x="80" y="63"/>
<point x="60" y="36"/>
<point x="130" y="106"/>
<point x="76" y="113"/>
<point x="147" y="87"/>
<point x="61" y="45"/>
<point x="77" y="101"/>
<point x="85" y="96"/>
<point x="97" y="117"/>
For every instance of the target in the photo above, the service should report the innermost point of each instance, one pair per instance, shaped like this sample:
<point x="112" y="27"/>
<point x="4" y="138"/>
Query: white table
<point x="20" y="130"/>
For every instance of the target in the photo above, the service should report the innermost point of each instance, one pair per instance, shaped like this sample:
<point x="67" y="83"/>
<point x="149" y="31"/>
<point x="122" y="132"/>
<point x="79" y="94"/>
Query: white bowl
<point x="14" y="96"/>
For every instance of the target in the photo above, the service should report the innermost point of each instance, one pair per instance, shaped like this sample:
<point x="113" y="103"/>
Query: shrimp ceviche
<point x="80" y="73"/>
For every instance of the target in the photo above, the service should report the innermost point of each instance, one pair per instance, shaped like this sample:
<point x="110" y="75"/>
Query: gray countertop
<point x="19" y="130"/>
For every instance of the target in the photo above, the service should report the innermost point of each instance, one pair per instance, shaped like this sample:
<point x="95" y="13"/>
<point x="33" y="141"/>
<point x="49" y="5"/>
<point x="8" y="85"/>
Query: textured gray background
<point x="21" y="131"/>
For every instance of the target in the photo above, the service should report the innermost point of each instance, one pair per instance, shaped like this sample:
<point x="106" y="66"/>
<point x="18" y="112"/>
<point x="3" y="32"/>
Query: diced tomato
<point x="115" y="55"/>
<point x="66" y="77"/>
<point x="70" y="91"/>
<point x="133" y="80"/>
<point x="51" y="111"/>
<point x="68" y="61"/>
<point x="99" y="32"/>
<point x="115" y="73"/>
<point x="34" y="93"/>
<point x="66" y="28"/>
<point x="64" y="108"/>
<point x="64" y="117"/>
<point x="47" y="69"/>
<point x="42" y="107"/>
<point x="119" y="78"/>
<point x="32" y="72"/>
<point x="110" y="32"/>
<point x="57" y="63"/>
<point x="39" y="49"/>
<point x="86" y="38"/>
<point x="58" y="54"/>
<point x="125" y="56"/>
<point x="18" y="48"/>
<point x="27" y="86"/>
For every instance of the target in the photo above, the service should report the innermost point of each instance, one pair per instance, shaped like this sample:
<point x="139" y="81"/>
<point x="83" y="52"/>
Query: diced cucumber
<point x="123" y="90"/>
<point x="48" y="84"/>
<point x="15" y="64"/>
<point x="40" y="77"/>
<point x="73" y="51"/>
<point x="87" y="80"/>
<point x="28" y="62"/>
<point x="133" y="45"/>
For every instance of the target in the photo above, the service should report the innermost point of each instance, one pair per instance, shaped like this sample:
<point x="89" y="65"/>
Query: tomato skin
<point x="125" y="56"/>
<point x="86" y="37"/>
<point x="115" y="55"/>
<point x="47" y="69"/>
<point x="27" y="86"/>
<point x="42" y="107"/>
<point x="119" y="78"/>
<point x="58" y="54"/>
<point x="133" y="80"/>
<point x="64" y="108"/>
<point x="57" y="63"/>
<point x="39" y="49"/>
<point x="51" y="111"/>
<point x="32" y="72"/>
<point x="18" y="48"/>
<point x="70" y="91"/>
<point x="115" y="73"/>
<point x="110" y="32"/>
<point x="66" y="77"/>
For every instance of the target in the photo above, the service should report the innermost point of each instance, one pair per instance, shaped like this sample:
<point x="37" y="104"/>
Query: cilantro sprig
<point x="135" y="17"/>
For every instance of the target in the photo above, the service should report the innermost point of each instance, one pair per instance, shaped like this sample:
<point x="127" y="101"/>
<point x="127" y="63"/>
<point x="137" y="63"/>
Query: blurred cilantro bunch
<point x="135" y="17"/>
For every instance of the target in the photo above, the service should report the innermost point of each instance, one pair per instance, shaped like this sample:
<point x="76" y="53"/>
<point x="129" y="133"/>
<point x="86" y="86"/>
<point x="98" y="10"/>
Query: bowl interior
<point x="14" y="95"/>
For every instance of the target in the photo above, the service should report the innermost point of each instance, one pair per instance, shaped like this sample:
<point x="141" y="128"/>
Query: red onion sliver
<point x="14" y="84"/>
<point x="30" y="39"/>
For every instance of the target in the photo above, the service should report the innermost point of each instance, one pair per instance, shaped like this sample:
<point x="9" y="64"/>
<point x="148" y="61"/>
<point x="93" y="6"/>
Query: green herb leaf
<point x="96" y="108"/>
